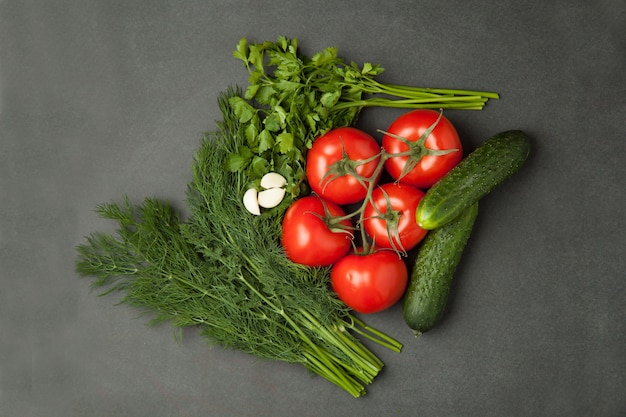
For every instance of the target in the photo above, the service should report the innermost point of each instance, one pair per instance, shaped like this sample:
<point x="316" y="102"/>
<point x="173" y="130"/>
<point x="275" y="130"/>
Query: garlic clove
<point x="271" y="198"/>
<point x="250" y="201"/>
<point x="273" y="180"/>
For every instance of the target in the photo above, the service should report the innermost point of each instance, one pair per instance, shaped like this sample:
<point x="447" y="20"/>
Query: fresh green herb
<point x="291" y="99"/>
<point x="226" y="273"/>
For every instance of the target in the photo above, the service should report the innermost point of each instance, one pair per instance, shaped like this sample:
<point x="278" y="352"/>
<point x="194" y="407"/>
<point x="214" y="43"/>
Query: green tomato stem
<point x="360" y="211"/>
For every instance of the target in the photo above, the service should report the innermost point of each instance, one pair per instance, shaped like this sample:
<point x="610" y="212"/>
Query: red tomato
<point x="331" y="176"/>
<point x="370" y="283"/>
<point x="425" y="168"/>
<point x="306" y="236"/>
<point x="395" y="228"/>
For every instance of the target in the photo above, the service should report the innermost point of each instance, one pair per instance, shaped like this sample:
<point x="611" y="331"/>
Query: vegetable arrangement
<point x="273" y="260"/>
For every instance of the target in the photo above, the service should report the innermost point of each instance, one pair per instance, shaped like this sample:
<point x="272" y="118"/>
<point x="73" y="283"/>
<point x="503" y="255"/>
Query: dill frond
<point x="224" y="272"/>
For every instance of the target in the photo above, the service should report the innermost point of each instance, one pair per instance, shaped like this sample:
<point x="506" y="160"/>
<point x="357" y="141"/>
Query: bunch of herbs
<point x="225" y="272"/>
<point x="291" y="99"/>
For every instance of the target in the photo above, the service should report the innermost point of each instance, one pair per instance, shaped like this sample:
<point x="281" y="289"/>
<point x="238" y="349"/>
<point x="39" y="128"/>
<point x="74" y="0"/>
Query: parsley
<point x="291" y="99"/>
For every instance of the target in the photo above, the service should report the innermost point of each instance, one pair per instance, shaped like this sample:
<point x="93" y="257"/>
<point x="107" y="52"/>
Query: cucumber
<point x="437" y="258"/>
<point x="493" y="162"/>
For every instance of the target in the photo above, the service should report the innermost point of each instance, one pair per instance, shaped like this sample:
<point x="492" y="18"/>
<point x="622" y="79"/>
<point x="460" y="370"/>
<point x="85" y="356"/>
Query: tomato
<point x="370" y="283"/>
<point x="389" y="218"/>
<point x="333" y="168"/>
<point x="307" y="237"/>
<point x="431" y="157"/>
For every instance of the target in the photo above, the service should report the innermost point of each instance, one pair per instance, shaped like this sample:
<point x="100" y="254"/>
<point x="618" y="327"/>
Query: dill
<point x="225" y="272"/>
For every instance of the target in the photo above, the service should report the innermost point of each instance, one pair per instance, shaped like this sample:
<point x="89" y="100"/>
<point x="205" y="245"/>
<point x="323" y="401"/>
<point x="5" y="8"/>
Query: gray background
<point x="101" y="99"/>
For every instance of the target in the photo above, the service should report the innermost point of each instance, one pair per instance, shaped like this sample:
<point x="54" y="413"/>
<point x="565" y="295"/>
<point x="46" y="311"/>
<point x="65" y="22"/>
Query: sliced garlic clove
<point x="271" y="198"/>
<point x="250" y="201"/>
<point x="273" y="180"/>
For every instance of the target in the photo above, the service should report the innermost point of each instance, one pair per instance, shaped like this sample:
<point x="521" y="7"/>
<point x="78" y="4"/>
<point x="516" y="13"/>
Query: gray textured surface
<point x="99" y="99"/>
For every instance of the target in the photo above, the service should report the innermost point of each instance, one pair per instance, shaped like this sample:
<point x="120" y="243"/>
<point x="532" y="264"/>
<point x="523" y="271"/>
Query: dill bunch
<point x="224" y="272"/>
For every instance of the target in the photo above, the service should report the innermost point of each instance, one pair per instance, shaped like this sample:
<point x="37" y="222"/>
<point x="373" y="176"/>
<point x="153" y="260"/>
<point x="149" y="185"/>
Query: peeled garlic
<point x="273" y="180"/>
<point x="271" y="198"/>
<point x="250" y="201"/>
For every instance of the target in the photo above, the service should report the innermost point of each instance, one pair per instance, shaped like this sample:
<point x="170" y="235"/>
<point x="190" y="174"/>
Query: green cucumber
<point x="493" y="162"/>
<point x="437" y="258"/>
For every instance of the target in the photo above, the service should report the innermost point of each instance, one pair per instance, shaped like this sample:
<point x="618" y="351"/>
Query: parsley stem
<point x="442" y="103"/>
<point x="437" y="91"/>
<point x="373" y="86"/>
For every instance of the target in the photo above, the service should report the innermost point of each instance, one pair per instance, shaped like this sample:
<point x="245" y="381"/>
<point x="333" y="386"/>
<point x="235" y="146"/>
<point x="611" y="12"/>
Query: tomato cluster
<point x="344" y="167"/>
